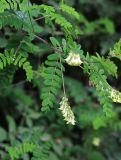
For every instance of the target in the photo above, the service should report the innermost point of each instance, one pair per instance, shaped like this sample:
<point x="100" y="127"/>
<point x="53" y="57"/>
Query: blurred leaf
<point x="3" y="134"/>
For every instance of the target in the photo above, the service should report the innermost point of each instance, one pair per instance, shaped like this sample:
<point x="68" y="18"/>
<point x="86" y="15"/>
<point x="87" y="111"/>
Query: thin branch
<point x="19" y="83"/>
<point x="62" y="77"/>
<point x="48" y="44"/>
<point x="83" y="68"/>
<point x="39" y="18"/>
<point x="30" y="18"/>
<point x="18" y="48"/>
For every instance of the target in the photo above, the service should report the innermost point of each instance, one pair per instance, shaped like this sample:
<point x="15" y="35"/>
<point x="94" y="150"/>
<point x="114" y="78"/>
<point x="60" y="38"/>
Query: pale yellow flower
<point x="96" y="141"/>
<point x="66" y="111"/>
<point x="73" y="59"/>
<point x="115" y="95"/>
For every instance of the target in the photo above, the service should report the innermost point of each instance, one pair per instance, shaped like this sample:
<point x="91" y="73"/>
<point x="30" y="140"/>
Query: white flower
<point x="66" y="111"/>
<point x="73" y="59"/>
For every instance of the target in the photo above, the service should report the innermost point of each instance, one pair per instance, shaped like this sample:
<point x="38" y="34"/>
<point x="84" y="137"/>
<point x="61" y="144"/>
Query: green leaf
<point x="3" y="134"/>
<point x="55" y="42"/>
<point x="54" y="56"/>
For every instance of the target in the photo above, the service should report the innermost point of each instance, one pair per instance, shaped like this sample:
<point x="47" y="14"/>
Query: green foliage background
<point x="25" y="131"/>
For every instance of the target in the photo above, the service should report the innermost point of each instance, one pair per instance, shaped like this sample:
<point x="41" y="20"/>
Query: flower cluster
<point x="73" y="59"/>
<point x="115" y="95"/>
<point x="66" y="111"/>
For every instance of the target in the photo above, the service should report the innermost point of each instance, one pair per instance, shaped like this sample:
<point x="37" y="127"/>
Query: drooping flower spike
<point x="66" y="111"/>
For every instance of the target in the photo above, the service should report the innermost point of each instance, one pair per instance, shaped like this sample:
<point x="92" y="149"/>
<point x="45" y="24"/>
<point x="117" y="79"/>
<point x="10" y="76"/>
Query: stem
<point x="30" y="18"/>
<point x="18" y="48"/>
<point x="39" y="18"/>
<point x="47" y="43"/>
<point x="62" y="78"/>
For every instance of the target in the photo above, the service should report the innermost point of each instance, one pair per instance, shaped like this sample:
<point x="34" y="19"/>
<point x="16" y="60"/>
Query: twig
<point x="39" y="18"/>
<point x="30" y="18"/>
<point x="48" y="44"/>
<point x="62" y="77"/>
<point x="18" y="48"/>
